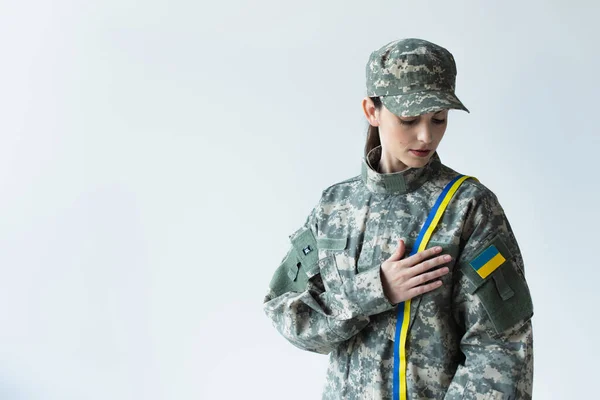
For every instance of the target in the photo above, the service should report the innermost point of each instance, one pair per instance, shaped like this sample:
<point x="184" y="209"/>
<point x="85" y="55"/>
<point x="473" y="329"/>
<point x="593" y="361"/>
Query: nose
<point x="424" y="134"/>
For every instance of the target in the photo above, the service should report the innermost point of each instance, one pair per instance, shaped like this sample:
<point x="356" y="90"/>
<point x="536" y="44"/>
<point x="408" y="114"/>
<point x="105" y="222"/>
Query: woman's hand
<point x="404" y="279"/>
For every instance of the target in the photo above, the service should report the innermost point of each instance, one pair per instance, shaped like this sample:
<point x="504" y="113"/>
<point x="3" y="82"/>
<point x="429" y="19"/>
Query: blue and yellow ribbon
<point x="403" y="316"/>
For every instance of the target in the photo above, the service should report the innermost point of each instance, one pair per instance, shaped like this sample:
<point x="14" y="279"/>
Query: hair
<point x="373" y="139"/>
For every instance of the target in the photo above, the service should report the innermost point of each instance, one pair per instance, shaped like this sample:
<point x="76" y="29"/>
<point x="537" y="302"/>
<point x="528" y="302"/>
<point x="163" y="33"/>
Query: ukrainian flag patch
<point x="487" y="262"/>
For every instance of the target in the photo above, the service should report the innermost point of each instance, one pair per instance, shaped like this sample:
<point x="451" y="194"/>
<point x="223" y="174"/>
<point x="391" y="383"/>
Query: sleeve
<point x="307" y="314"/>
<point x="493" y="307"/>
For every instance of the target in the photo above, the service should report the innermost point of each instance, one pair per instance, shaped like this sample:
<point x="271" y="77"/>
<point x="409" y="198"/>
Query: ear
<point x="371" y="113"/>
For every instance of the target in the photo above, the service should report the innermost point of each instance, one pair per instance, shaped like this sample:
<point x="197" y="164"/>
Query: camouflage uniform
<point x="471" y="338"/>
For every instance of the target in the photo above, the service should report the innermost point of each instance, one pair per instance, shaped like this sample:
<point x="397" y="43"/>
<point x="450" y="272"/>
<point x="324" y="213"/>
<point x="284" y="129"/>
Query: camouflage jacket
<point x="471" y="338"/>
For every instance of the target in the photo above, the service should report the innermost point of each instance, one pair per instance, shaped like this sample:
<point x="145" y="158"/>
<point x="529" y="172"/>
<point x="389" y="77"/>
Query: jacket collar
<point x="397" y="182"/>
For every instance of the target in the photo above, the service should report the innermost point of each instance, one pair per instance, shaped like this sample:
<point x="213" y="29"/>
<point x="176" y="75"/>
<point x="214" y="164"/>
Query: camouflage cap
<point x="413" y="76"/>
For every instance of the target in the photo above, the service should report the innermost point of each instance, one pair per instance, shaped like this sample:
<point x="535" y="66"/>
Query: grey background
<point x="154" y="156"/>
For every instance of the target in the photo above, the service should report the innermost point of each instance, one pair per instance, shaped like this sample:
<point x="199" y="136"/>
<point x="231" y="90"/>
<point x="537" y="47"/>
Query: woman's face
<point x="401" y="137"/>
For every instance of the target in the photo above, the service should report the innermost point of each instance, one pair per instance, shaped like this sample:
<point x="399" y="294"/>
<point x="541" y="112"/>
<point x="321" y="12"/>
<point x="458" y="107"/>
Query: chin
<point x="417" y="162"/>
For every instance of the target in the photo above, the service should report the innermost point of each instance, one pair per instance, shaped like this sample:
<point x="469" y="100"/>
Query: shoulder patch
<point x="488" y="260"/>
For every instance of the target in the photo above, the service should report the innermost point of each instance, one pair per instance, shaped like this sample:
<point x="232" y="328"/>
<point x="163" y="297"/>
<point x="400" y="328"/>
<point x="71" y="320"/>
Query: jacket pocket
<point x="332" y="261"/>
<point x="504" y="293"/>
<point x="329" y="273"/>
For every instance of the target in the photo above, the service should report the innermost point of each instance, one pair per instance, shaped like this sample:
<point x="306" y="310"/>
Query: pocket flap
<point x="326" y="243"/>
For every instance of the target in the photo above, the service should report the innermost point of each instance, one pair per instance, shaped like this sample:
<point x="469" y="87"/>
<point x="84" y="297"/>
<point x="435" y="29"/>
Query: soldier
<point x="408" y="275"/>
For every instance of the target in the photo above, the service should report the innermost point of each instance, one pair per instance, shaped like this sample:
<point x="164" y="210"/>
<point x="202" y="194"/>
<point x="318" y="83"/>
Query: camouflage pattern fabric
<point x="469" y="339"/>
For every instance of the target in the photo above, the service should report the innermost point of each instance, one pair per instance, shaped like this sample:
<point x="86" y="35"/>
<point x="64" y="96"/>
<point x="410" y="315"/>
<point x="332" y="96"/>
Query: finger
<point x="421" y="256"/>
<point x="423" y="289"/>
<point x="428" y="264"/>
<point x="426" y="277"/>
<point x="399" y="252"/>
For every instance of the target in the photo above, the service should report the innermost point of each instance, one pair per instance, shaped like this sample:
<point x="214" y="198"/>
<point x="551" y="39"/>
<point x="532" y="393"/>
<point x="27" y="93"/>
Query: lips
<point x="421" y="153"/>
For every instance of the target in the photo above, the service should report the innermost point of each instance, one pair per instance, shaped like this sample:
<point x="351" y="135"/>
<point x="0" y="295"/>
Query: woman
<point x="408" y="275"/>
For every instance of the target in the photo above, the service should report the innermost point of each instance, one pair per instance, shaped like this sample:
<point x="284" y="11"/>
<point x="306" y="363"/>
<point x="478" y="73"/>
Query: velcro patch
<point x="488" y="261"/>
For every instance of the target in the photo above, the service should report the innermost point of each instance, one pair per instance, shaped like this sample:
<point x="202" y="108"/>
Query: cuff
<point x="366" y="292"/>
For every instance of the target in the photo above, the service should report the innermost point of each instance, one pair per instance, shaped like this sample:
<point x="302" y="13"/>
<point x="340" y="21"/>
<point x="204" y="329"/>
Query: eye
<point x="438" y="121"/>
<point x="409" y="122"/>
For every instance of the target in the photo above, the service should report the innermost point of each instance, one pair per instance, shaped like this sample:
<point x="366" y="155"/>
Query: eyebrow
<point x="440" y="111"/>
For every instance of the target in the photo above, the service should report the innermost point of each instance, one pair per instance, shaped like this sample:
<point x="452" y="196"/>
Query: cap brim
<point x="417" y="103"/>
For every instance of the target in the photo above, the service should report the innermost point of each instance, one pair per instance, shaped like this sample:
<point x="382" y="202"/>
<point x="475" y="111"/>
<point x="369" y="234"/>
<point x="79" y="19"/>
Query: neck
<point x="396" y="182"/>
<point x="389" y="164"/>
